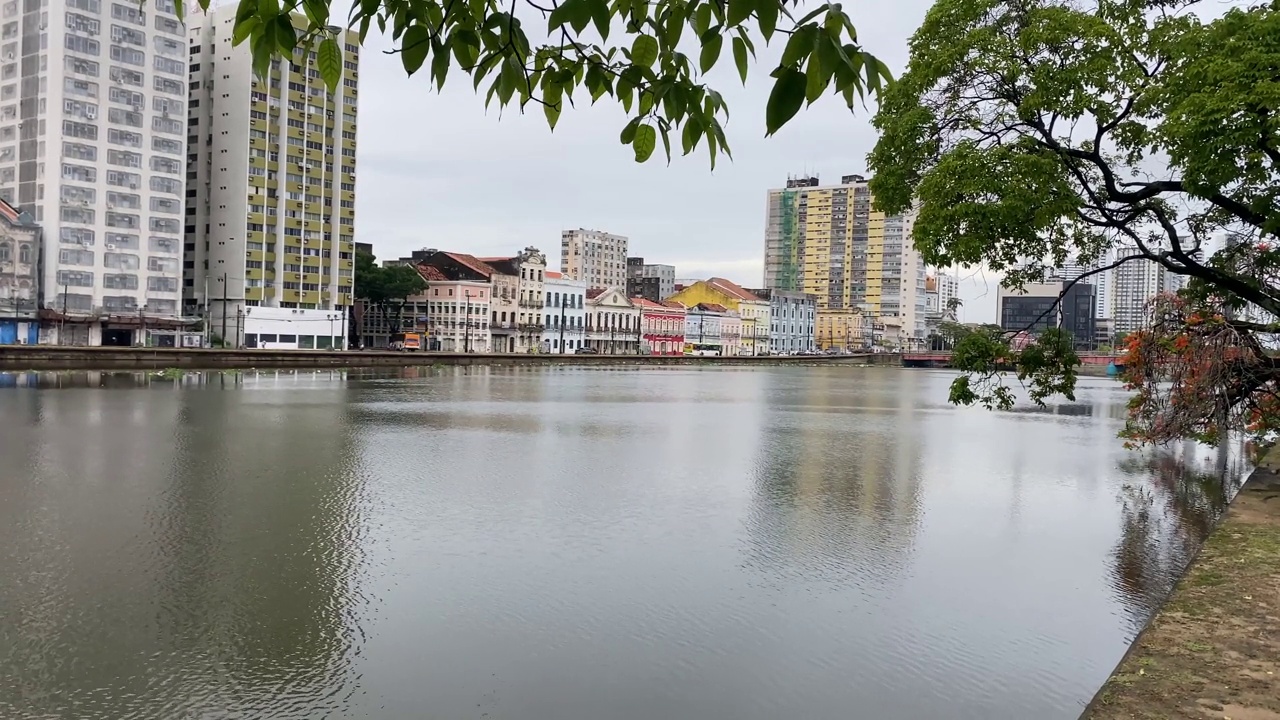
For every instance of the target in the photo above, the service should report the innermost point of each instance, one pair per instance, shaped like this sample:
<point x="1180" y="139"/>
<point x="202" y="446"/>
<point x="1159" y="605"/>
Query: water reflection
<point x="1174" y="499"/>
<point x="547" y="543"/>
<point x="176" y="554"/>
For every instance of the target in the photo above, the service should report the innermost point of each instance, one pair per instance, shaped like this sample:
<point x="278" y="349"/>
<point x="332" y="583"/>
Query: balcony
<point x="532" y="304"/>
<point x="531" y="327"/>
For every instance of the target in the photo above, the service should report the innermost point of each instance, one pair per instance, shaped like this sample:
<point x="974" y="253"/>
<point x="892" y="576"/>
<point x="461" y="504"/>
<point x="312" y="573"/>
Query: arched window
<point x="24" y="253"/>
<point x="6" y="251"/>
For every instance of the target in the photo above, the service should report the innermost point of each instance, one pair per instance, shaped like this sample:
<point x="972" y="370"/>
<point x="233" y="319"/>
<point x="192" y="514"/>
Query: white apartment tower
<point x="270" y="225"/>
<point x="1134" y="283"/>
<point x="105" y="174"/>
<point x="597" y="258"/>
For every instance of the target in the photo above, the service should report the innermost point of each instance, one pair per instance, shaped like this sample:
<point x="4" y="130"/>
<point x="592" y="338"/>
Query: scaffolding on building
<point x="788" y="245"/>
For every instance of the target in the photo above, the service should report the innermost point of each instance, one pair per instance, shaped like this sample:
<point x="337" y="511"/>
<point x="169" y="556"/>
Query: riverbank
<point x="1213" y="650"/>
<point x="29" y="357"/>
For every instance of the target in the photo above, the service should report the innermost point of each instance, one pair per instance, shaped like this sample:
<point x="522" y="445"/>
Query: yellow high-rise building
<point x="270" y="224"/>
<point x="827" y="241"/>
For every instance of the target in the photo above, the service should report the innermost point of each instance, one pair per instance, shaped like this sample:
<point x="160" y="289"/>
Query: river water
<point x="563" y="543"/>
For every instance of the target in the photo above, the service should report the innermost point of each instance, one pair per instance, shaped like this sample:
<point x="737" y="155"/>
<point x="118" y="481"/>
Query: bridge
<point x="943" y="359"/>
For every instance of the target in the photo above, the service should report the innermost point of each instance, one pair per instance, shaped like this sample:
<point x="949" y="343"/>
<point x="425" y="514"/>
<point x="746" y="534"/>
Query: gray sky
<point x="437" y="170"/>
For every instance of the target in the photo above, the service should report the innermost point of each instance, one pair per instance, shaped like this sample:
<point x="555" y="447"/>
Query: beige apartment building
<point x="597" y="258"/>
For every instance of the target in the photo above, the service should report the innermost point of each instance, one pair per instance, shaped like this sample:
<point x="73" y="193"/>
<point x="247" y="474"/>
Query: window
<point x="165" y="225"/>
<point x="92" y="6"/>
<point x="165" y="145"/>
<point x="82" y="24"/>
<point x="126" y="97"/>
<point x="128" y="36"/>
<point x="166" y="165"/>
<point x="169" y="25"/>
<point x="121" y="241"/>
<point x="169" y="47"/>
<point x="81" y="173"/>
<point x="79" y="151"/>
<point x="171" y="126"/>
<point x="123" y="201"/>
<point x="84" y="131"/>
<point x="127" y="13"/>
<point x="75" y="278"/>
<point x="76" y="236"/>
<point x="74" y="194"/>
<point x="168" y="246"/>
<point x="80" y="65"/>
<point x="167" y="105"/>
<point x="116" y="136"/>
<point x="117" y="281"/>
<point x="77" y="43"/>
<point x="120" y="116"/>
<point x="123" y="220"/>
<point x="121" y="261"/>
<point x="169" y="65"/>
<point x="166" y="185"/>
<point x="81" y="258"/>
<point x="83" y="88"/>
<point x="162" y="284"/>
<point x="166" y="205"/>
<point x="168" y="85"/>
<point x="124" y="158"/>
<point x="126" y="76"/>
<point x="128" y="55"/>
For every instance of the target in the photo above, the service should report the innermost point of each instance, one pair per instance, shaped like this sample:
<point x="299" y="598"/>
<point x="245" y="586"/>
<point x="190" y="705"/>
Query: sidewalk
<point x="1213" y="651"/>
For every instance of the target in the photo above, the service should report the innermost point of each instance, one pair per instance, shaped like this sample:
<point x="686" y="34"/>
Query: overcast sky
<point x="436" y="170"/>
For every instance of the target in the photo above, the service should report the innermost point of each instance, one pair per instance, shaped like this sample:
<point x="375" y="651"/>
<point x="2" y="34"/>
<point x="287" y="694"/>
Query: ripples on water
<point x="574" y="543"/>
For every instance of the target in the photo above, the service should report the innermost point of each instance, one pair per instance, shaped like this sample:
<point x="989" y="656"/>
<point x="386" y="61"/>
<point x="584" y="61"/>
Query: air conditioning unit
<point x="110" y="246"/>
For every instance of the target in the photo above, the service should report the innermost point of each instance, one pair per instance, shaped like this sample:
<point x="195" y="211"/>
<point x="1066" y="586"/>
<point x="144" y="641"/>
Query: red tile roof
<point x="472" y="262"/>
<point x="646" y="303"/>
<point x="430" y="273"/>
<point x="594" y="293"/>
<point x="674" y="304"/>
<point x="713" y="307"/>
<point x="552" y="275"/>
<point x="732" y="289"/>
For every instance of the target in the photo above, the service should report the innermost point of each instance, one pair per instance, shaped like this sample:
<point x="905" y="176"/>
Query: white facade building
<point x="597" y="258"/>
<point x="287" y="329"/>
<point x="1134" y="283"/>
<point x="92" y="142"/>
<point x="272" y="219"/>
<point x="565" y="327"/>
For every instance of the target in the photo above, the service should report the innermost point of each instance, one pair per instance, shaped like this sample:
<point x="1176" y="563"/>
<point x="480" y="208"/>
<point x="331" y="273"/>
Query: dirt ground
<point x="1214" y="650"/>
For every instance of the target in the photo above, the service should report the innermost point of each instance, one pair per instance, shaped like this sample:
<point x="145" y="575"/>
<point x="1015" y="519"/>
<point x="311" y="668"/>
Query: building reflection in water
<point x="157" y="575"/>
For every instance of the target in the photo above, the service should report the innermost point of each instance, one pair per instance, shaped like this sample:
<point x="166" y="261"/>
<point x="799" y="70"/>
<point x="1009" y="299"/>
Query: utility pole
<point x="224" y="310"/>
<point x="62" y="322"/>
<point x="206" y="308"/>
<point x="563" y="297"/>
<point x="466" y="338"/>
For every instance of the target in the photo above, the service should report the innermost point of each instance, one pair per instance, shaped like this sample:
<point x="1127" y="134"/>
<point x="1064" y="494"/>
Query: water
<point x="574" y="543"/>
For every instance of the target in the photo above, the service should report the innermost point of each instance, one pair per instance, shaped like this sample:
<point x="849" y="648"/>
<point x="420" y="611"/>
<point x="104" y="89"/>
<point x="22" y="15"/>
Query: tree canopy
<point x="648" y="55"/>
<point x="1027" y="132"/>
<point x="386" y="288"/>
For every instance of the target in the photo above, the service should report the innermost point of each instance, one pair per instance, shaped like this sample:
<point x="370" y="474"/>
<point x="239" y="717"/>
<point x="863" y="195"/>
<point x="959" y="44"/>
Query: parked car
<point x="586" y="351"/>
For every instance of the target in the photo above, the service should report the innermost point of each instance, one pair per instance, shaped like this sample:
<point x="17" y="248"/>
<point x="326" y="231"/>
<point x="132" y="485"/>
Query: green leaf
<point x="785" y="99"/>
<point x="317" y="12"/>
<point x="644" y="51"/>
<point x="800" y="45"/>
<point x="552" y="111"/>
<point x="466" y="47"/>
<point x="286" y="34"/>
<point x="268" y="9"/>
<point x="739" y="10"/>
<point x="710" y="52"/>
<point x="767" y="16"/>
<point x="740" y="58"/>
<point x="702" y="18"/>
<point x="601" y="18"/>
<point x="244" y="29"/>
<point x="644" y="142"/>
<point x="561" y="15"/>
<point x="414" y="48"/>
<point x="247" y="9"/>
<point x="692" y="132"/>
<point x="666" y="142"/>
<point x="815" y="80"/>
<point x="264" y="48"/>
<point x="629" y="132"/>
<point x="440" y="63"/>
<point x="329" y="62"/>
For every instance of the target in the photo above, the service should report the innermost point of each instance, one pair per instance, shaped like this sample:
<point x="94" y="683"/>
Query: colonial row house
<point x="613" y="322"/>
<point x="750" y="314"/>
<point x="19" y="277"/>
<point x="661" y="327"/>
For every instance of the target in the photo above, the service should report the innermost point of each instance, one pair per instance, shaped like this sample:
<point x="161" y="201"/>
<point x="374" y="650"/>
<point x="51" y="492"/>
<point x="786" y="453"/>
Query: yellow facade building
<point x="752" y="310"/>
<point x="843" y="329"/>
<point x="271" y="221"/>
<point x="829" y="242"/>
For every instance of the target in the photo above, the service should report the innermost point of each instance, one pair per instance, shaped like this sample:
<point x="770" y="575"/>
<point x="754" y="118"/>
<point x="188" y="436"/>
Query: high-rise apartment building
<point x="597" y="258"/>
<point x="270" y="225"/>
<point x="1134" y="283"/>
<point x="650" y="281"/>
<point x="827" y="241"/>
<point x="103" y="175"/>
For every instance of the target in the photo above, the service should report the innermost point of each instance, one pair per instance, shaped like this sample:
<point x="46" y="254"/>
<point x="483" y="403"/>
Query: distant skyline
<point x="438" y="171"/>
